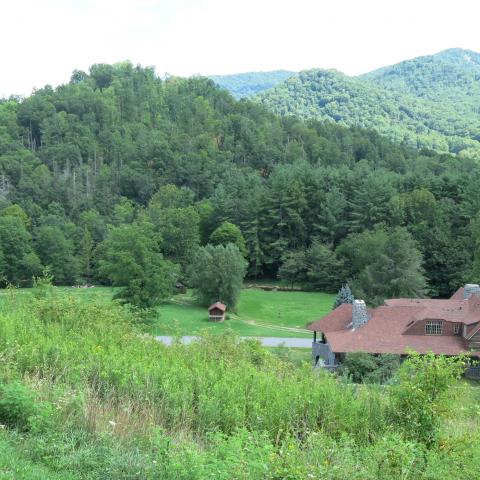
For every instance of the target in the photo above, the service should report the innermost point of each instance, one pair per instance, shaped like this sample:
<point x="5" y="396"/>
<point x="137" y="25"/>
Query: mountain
<point x="450" y="77"/>
<point x="247" y="84"/>
<point x="428" y="102"/>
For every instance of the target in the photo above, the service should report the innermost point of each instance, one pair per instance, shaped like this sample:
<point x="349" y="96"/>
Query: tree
<point x="344" y="295"/>
<point x="130" y="258"/>
<point x="323" y="269"/>
<point x="56" y="252"/>
<point x="20" y="263"/>
<point x="16" y="211"/>
<point x="383" y="264"/>
<point x="86" y="255"/>
<point x="331" y="221"/>
<point x="177" y="222"/>
<point x="102" y="74"/>
<point x="217" y="274"/>
<point x="293" y="268"/>
<point x="229" y="233"/>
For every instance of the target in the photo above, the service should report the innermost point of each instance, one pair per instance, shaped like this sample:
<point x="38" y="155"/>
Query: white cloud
<point x="42" y="42"/>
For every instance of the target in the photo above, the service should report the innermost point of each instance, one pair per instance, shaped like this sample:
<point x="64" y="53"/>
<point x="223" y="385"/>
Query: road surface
<point x="265" y="341"/>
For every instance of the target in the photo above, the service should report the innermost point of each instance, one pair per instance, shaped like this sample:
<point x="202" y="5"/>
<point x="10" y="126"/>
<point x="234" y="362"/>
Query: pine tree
<point x="344" y="295"/>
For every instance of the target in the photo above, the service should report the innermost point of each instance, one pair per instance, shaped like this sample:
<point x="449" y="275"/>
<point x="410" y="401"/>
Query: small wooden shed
<point x="216" y="312"/>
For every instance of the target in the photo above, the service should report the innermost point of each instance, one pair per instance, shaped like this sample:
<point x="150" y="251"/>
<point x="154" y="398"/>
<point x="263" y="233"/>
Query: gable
<point x="417" y="327"/>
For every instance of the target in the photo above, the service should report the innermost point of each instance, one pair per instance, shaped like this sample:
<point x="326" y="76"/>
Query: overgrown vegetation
<point x="83" y="396"/>
<point x="362" y="367"/>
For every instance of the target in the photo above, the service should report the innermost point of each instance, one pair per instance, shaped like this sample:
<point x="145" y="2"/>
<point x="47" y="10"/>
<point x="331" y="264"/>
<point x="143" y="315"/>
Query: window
<point x="456" y="328"/>
<point x="433" y="327"/>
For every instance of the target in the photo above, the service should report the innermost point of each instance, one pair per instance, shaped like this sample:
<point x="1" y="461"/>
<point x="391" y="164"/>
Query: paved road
<point x="265" y="341"/>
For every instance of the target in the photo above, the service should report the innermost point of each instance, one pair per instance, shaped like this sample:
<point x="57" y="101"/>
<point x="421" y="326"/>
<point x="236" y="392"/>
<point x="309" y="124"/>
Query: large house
<point x="448" y="327"/>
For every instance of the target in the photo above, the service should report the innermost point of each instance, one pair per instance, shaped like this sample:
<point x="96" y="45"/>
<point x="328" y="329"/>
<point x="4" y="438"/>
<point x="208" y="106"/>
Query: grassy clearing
<point x="259" y="313"/>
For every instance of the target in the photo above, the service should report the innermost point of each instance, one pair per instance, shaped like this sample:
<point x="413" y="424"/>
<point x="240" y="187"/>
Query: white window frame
<point x="433" y="327"/>
<point x="456" y="328"/>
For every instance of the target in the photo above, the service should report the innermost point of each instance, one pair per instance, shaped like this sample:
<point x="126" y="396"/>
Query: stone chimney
<point x="470" y="289"/>
<point x="359" y="314"/>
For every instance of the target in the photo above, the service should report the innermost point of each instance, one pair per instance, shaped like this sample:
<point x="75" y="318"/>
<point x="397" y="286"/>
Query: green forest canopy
<point x="247" y="84"/>
<point x="428" y="102"/>
<point x="119" y="146"/>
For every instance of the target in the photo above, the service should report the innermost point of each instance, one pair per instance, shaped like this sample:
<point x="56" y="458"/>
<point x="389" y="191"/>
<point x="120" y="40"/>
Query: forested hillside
<point x="428" y="102"/>
<point x="121" y="161"/>
<point x="247" y="84"/>
<point x="451" y="76"/>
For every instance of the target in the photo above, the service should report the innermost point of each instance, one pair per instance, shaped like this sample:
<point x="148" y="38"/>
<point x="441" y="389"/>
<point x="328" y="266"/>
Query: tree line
<point x="119" y="173"/>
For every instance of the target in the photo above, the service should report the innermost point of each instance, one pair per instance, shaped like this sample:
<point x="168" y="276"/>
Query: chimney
<point x="470" y="289"/>
<point x="359" y="314"/>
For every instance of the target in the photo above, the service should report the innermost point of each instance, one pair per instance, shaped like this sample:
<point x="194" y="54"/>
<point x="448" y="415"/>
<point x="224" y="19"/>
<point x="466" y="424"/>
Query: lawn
<point x="259" y="312"/>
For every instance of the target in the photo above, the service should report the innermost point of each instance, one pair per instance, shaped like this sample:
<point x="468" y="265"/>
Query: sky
<point x="43" y="41"/>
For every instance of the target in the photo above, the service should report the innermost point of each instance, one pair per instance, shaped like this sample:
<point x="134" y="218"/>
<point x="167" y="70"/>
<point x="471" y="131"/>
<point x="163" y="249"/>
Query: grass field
<point x="259" y="312"/>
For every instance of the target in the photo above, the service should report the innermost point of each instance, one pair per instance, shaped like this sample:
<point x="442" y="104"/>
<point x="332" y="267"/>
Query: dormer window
<point x="433" y="327"/>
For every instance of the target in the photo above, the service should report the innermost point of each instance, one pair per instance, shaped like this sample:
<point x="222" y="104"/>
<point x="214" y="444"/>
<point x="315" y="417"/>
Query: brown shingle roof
<point x="384" y="333"/>
<point x="337" y="319"/>
<point x="458" y="295"/>
<point x="464" y="311"/>
<point x="221" y="306"/>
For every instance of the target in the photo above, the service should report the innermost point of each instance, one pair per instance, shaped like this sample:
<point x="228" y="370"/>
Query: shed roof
<point x="221" y="306"/>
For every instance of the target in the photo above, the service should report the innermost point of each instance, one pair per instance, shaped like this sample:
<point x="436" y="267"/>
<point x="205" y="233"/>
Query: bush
<point x="21" y="409"/>
<point x="421" y="396"/>
<point x="364" y="367"/>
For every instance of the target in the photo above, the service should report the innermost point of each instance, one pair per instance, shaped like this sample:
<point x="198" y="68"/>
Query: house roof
<point x="458" y="295"/>
<point x="451" y="310"/>
<point x="385" y="331"/>
<point x="384" y="334"/>
<point x="221" y="306"/>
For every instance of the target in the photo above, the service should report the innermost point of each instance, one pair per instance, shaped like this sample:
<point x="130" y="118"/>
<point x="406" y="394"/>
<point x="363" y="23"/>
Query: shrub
<point x="421" y="396"/>
<point x="21" y="409"/>
<point x="364" y="367"/>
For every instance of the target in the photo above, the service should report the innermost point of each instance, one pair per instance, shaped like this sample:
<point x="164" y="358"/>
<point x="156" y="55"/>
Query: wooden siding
<point x="474" y="342"/>
<point x="470" y="329"/>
